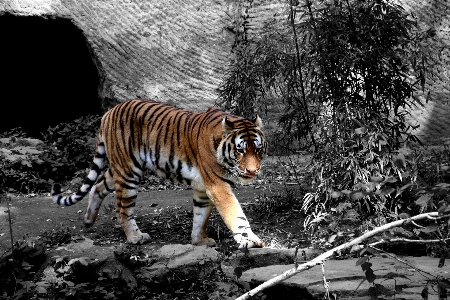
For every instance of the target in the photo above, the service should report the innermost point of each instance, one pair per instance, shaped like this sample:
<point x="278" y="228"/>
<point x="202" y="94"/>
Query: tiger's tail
<point x="89" y="181"/>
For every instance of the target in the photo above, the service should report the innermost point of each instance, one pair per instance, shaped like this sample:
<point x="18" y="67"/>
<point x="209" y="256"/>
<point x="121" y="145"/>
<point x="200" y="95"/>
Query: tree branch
<point x="319" y="259"/>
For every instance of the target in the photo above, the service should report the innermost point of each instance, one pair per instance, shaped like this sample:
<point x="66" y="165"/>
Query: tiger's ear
<point x="227" y="125"/>
<point x="257" y="121"/>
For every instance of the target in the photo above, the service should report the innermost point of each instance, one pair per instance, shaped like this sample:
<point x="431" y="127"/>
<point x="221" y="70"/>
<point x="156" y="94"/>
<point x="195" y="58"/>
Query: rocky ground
<point x="57" y="258"/>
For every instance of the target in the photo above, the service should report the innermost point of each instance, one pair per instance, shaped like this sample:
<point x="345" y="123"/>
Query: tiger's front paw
<point x="141" y="238"/>
<point x="204" y="241"/>
<point x="250" y="241"/>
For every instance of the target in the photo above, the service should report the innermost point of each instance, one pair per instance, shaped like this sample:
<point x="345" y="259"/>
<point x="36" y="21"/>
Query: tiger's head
<point x="242" y="147"/>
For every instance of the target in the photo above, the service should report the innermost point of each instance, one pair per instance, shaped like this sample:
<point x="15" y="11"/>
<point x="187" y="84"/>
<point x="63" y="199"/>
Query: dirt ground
<point x="32" y="217"/>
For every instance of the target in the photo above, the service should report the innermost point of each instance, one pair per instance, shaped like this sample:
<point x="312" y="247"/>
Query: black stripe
<point x="129" y="198"/>
<point x="129" y="205"/>
<point x="200" y="203"/>
<point x="98" y="155"/>
<point x="148" y="107"/>
<point x="162" y="117"/>
<point x="125" y="185"/>
<point x="136" y="182"/>
<point x="167" y="170"/>
<point x="95" y="167"/>
<point x="108" y="188"/>
<point x="133" y="158"/>
<point x="178" y="171"/>
<point x="154" y="116"/>
<point x="166" y="129"/>
<point x="88" y="182"/>
<point x="178" y="126"/>
<point x="224" y="149"/>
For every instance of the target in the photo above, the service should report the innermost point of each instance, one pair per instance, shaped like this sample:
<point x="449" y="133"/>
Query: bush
<point x="344" y="73"/>
<point x="32" y="165"/>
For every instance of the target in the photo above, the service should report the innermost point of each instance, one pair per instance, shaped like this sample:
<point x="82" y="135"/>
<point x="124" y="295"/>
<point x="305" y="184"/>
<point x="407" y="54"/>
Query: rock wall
<point x="177" y="51"/>
<point x="173" y="51"/>
<point x="433" y="116"/>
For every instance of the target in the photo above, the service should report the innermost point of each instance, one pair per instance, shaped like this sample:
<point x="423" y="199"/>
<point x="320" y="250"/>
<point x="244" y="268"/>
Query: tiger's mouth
<point x="248" y="175"/>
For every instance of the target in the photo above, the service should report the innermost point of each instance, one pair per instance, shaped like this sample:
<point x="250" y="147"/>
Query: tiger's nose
<point x="251" y="171"/>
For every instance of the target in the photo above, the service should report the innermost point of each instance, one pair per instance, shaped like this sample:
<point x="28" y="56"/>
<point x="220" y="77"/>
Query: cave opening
<point x="48" y="75"/>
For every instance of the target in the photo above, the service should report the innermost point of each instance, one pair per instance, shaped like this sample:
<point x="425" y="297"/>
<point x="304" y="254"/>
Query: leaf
<point x="376" y="179"/>
<point x="387" y="190"/>
<point x="424" y="293"/>
<point x="343" y="206"/>
<point x="335" y="194"/>
<point x="366" y="266"/>
<point x="391" y="179"/>
<point x="442" y="289"/>
<point x="387" y="235"/>
<point x="346" y="192"/>
<point x="41" y="290"/>
<point x="401" y="231"/>
<point x="373" y="293"/>
<point x="238" y="272"/>
<point x="441" y="261"/>
<point x="399" y="191"/>
<point x="356" y="195"/>
<point x="443" y="185"/>
<point x="70" y="283"/>
<point x="362" y="260"/>
<point x="370" y="275"/>
<point x="403" y="216"/>
<point x="356" y="248"/>
<point x="400" y="161"/>
<point x="371" y="251"/>
<point x="392" y="275"/>
<point x="43" y="284"/>
<point x="332" y="238"/>
<point x="442" y="208"/>
<point x="361" y="130"/>
<point x="431" y="228"/>
<point x="424" y="200"/>
<point x="444" y="283"/>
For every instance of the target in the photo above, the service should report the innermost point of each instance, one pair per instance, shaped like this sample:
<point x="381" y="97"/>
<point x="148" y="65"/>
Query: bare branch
<point x="319" y="259"/>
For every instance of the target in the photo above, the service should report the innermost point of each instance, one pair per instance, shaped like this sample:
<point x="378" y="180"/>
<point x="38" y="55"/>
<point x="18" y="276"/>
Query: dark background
<point x="47" y="75"/>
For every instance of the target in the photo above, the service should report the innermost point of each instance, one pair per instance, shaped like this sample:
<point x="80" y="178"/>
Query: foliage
<point x="32" y="165"/>
<point x="414" y="181"/>
<point x="344" y="74"/>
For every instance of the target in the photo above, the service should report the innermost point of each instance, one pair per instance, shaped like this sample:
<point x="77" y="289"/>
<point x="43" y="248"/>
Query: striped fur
<point x="208" y="150"/>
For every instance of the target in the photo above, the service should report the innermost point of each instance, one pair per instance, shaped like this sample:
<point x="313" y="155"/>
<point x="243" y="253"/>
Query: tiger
<point x="210" y="151"/>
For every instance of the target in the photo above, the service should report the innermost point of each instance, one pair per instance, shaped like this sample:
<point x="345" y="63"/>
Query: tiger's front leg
<point x="234" y="217"/>
<point x="202" y="211"/>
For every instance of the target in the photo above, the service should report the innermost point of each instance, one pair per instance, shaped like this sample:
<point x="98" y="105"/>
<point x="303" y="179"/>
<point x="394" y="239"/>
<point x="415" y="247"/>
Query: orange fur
<point x="208" y="150"/>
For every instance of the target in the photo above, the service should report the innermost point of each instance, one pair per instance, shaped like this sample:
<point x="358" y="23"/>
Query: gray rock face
<point x="172" y="51"/>
<point x="177" y="51"/>
<point x="183" y="260"/>
<point x="157" y="265"/>
<point x="345" y="279"/>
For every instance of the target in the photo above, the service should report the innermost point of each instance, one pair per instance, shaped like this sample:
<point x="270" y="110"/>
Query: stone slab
<point x="348" y="280"/>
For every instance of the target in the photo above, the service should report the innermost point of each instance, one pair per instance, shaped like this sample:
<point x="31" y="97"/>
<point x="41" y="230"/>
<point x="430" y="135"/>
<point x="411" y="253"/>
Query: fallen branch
<point x="319" y="259"/>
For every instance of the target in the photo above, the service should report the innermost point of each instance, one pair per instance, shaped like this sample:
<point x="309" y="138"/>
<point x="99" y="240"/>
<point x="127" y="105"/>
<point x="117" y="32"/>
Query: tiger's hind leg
<point x="202" y="211"/>
<point x="125" y="203"/>
<point x="96" y="195"/>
